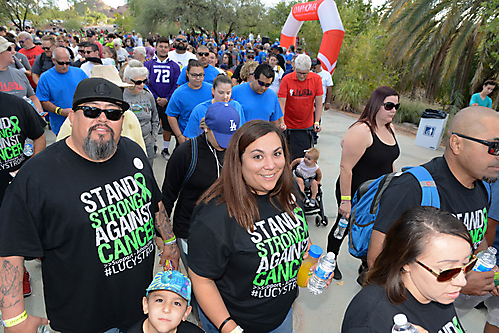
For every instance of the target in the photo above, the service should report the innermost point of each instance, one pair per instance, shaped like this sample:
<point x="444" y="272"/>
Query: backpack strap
<point x="430" y="196"/>
<point x="194" y="160"/>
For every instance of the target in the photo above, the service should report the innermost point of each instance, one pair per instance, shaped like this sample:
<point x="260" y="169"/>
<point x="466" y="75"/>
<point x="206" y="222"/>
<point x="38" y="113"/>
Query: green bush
<point x="410" y="111"/>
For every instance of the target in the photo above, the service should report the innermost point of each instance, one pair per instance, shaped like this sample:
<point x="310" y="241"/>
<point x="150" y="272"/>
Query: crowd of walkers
<point x="230" y="213"/>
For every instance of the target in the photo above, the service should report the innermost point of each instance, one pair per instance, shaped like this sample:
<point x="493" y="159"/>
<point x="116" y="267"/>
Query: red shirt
<point x="300" y="97"/>
<point x="31" y="54"/>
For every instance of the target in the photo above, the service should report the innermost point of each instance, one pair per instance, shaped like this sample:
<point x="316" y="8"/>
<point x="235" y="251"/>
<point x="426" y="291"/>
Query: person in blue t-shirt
<point x="221" y="91"/>
<point x="482" y="98"/>
<point x="289" y="57"/>
<point x="210" y="72"/>
<point x="56" y="88"/>
<point x="186" y="97"/>
<point x="257" y="100"/>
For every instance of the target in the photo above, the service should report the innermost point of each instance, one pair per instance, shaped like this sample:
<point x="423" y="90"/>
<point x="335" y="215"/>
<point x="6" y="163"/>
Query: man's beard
<point x="489" y="180"/>
<point x="180" y="47"/>
<point x="98" y="150"/>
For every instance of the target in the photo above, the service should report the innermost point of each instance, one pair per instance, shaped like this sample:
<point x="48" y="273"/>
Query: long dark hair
<point x="230" y="64"/>
<point x="373" y="105"/>
<point x="231" y="188"/>
<point x="406" y="241"/>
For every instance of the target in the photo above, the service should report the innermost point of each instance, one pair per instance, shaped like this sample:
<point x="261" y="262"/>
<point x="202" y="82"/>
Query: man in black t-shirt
<point x="88" y="206"/>
<point x="471" y="155"/>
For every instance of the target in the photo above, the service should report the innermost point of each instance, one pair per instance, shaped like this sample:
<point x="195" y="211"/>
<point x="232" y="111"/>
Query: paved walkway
<point x="321" y="313"/>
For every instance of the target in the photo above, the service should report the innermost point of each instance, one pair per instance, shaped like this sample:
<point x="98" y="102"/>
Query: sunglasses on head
<point x="203" y="54"/>
<point x="62" y="63"/>
<point x="451" y="273"/>
<point x="264" y="84"/>
<point x="94" y="112"/>
<point x="46" y="48"/>
<point x="180" y="40"/>
<point x="390" y="105"/>
<point x="493" y="145"/>
<point x="138" y="82"/>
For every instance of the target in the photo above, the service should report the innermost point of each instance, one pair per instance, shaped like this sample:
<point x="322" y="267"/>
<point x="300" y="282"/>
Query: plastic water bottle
<point x="340" y="228"/>
<point x="402" y="325"/>
<point x="324" y="269"/>
<point x="28" y="148"/>
<point x="30" y="102"/>
<point x="42" y="329"/>
<point x="486" y="260"/>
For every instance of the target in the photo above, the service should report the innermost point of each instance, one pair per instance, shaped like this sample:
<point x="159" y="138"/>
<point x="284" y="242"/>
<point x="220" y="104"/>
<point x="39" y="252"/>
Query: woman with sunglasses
<point x="142" y="104"/>
<point x="419" y="273"/>
<point x="369" y="149"/>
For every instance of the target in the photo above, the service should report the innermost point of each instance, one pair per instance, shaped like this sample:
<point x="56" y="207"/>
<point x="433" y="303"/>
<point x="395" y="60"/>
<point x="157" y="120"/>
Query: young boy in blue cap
<point x="167" y="304"/>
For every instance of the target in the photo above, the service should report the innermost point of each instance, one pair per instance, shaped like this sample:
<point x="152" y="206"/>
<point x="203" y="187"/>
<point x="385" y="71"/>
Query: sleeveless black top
<point x="376" y="161"/>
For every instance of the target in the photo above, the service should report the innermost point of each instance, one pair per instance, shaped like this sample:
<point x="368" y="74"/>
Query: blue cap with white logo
<point x="223" y="119"/>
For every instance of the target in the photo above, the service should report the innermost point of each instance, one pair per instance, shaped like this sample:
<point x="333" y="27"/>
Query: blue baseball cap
<point x="173" y="281"/>
<point x="223" y="119"/>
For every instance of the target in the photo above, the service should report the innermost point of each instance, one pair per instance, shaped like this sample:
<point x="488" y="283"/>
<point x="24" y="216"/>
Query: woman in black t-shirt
<point x="248" y="237"/>
<point x="419" y="273"/>
<point x="369" y="149"/>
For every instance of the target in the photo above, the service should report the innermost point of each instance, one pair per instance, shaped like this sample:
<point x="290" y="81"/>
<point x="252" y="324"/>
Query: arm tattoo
<point x="10" y="284"/>
<point x="163" y="223"/>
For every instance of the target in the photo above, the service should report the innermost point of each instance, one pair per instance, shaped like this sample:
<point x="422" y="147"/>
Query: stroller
<point x="318" y="208"/>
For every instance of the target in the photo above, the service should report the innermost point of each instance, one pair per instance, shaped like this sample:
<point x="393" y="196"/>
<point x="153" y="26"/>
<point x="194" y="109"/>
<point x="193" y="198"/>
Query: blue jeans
<point x="285" y="327"/>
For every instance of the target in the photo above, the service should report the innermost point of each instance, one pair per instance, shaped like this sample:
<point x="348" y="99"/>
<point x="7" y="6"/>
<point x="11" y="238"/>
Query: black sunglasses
<point x="138" y="82"/>
<point x="451" y="273"/>
<point x="93" y="112"/>
<point x="264" y="84"/>
<point x="493" y="145"/>
<point x="46" y="48"/>
<point x="390" y="105"/>
<point x="204" y="54"/>
<point x="62" y="63"/>
<point x="180" y="40"/>
<point x="87" y="52"/>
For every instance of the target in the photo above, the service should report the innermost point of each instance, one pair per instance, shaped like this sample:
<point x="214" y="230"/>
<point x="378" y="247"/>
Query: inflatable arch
<point x="327" y="13"/>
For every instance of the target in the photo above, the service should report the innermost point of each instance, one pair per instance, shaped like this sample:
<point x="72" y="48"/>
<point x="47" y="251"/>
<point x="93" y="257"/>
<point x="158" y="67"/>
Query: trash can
<point x="431" y="128"/>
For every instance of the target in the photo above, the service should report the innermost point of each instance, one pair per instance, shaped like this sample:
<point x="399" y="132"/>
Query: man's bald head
<point x="470" y="121"/>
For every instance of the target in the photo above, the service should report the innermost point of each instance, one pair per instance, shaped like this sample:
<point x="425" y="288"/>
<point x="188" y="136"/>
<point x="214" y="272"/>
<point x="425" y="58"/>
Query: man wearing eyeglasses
<point x="43" y="62"/>
<point x="257" y="100"/>
<point x="471" y="155"/>
<point x="89" y="206"/>
<point x="30" y="50"/>
<point x="91" y="54"/>
<point x="56" y="87"/>
<point x="180" y="54"/>
<point x="210" y="72"/>
<point x="300" y="95"/>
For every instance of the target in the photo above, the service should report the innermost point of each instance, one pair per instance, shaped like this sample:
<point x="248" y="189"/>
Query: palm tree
<point x="439" y="44"/>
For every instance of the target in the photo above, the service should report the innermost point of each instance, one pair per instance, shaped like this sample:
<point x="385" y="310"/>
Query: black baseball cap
<point x="97" y="89"/>
<point x="316" y="62"/>
<point x="90" y="33"/>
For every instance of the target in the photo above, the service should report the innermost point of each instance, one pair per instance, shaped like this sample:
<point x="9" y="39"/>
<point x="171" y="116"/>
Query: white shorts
<point x="465" y="303"/>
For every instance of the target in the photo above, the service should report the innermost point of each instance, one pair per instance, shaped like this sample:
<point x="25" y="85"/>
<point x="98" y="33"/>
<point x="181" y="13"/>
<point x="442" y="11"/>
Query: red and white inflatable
<point x="327" y="13"/>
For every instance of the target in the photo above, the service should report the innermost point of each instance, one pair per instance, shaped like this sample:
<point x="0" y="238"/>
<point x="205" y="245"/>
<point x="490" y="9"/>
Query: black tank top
<point x="376" y="161"/>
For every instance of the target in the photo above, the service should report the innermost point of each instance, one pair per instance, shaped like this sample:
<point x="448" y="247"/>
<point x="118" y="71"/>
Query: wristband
<point x="223" y="323"/>
<point x="238" y="329"/>
<point x="346" y="197"/>
<point x="16" y="320"/>
<point x="171" y="240"/>
<point x="316" y="123"/>
<point x="58" y="110"/>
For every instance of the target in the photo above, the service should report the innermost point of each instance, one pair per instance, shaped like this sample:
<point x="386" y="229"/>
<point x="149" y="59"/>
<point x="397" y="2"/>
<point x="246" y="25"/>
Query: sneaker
<point x="26" y="284"/>
<point x="155" y="151"/>
<point x="312" y="203"/>
<point x="166" y="154"/>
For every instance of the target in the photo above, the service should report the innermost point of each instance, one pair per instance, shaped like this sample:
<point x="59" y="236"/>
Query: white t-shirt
<point x="87" y="67"/>
<point x="278" y="73"/>
<point x="181" y="59"/>
<point x="327" y="81"/>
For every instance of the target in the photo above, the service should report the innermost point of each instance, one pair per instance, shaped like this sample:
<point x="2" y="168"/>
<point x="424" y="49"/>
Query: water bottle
<point x="402" y="325"/>
<point x="42" y="329"/>
<point x="486" y="260"/>
<point x="42" y="114"/>
<point x="324" y="269"/>
<point x="340" y="228"/>
<point x="28" y="148"/>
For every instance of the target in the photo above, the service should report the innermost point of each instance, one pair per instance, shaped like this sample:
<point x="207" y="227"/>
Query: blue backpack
<point x="365" y="206"/>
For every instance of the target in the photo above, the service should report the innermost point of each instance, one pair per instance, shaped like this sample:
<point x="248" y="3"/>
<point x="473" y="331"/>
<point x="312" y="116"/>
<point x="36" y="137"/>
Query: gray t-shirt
<point x="42" y="64"/>
<point x="13" y="81"/>
<point x="143" y="106"/>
